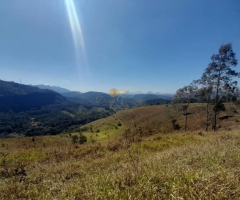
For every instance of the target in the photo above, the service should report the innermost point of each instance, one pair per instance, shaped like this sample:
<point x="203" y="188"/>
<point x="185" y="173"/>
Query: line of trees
<point x="216" y="86"/>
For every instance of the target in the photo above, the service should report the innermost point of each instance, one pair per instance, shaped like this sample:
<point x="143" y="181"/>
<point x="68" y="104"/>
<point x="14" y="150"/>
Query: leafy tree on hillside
<point x="204" y="95"/>
<point x="220" y="73"/>
<point x="230" y="92"/>
<point x="186" y="95"/>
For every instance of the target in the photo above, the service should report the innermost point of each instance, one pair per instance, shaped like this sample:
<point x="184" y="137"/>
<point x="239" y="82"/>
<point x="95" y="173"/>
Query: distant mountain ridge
<point x="91" y="96"/>
<point x="19" y="97"/>
<point x="72" y="94"/>
<point x="54" y="88"/>
<point x="29" y="111"/>
<point x="145" y="97"/>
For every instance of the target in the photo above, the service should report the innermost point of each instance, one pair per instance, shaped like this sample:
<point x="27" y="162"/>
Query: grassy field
<point x="158" y="165"/>
<point x="157" y="119"/>
<point x="104" y="129"/>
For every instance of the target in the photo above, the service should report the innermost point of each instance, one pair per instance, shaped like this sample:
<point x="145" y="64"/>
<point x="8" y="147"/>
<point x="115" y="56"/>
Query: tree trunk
<point x="216" y="102"/>
<point x="215" y="121"/>
<point x="185" y="122"/>
<point x="207" y="119"/>
<point x="186" y="113"/>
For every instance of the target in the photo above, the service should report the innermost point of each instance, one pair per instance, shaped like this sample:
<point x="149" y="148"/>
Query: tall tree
<point x="204" y="95"/>
<point x="185" y="95"/>
<point x="220" y="72"/>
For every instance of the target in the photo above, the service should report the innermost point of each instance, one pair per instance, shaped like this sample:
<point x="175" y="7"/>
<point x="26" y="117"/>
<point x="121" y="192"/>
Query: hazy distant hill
<point x="54" y="88"/>
<point x="72" y="94"/>
<point x="104" y="99"/>
<point x="84" y="102"/>
<point x="145" y="97"/>
<point x="93" y="96"/>
<point x="89" y="96"/>
<point x="156" y="102"/>
<point x="19" y="97"/>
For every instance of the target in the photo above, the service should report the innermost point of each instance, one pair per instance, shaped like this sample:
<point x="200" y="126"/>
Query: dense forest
<point x="18" y="97"/>
<point x="49" y="120"/>
<point x="28" y="111"/>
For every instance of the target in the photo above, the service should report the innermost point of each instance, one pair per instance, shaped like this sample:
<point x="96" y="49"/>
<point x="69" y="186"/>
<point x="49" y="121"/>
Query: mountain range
<point x="91" y="95"/>
<point x="18" y="97"/>
<point x="54" y="88"/>
<point x="69" y="93"/>
<point x="29" y="110"/>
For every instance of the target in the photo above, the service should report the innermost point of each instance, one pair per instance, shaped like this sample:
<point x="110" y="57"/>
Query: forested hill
<point x="54" y="88"/>
<point x="18" y="97"/>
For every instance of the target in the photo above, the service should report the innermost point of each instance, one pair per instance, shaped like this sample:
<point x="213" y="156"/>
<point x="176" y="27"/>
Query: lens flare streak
<point x="76" y="32"/>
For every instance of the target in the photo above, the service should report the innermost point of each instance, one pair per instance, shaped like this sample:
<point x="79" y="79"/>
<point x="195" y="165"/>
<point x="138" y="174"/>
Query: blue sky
<point x="137" y="45"/>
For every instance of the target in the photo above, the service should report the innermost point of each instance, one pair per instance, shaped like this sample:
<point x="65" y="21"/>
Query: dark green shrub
<point x="91" y="128"/>
<point x="82" y="139"/>
<point x="74" y="139"/>
<point x="175" y="126"/>
<point x="173" y="122"/>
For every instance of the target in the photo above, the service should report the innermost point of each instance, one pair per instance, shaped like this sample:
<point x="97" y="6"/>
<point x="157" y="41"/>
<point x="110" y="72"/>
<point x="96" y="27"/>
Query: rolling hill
<point x="54" y="88"/>
<point x="157" y="119"/>
<point x="19" y="97"/>
<point x="145" y="97"/>
<point x="29" y="111"/>
<point x="72" y="94"/>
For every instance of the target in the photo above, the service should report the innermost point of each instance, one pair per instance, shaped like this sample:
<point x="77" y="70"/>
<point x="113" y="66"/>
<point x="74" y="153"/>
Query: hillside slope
<point x="169" y="166"/>
<point x="158" y="119"/>
<point x="19" y="97"/>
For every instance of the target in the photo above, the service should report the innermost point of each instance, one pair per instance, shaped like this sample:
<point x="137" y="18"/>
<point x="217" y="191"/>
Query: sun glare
<point x="77" y="33"/>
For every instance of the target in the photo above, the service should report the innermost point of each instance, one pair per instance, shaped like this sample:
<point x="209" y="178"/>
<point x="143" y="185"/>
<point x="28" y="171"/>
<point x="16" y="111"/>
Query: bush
<point x="74" y="139"/>
<point x="174" y="121"/>
<point x="175" y="126"/>
<point x="98" y="131"/>
<point x="82" y="139"/>
<point x="91" y="128"/>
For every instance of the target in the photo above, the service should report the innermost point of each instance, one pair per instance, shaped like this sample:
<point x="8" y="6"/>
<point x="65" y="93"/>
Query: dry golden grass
<point x="176" y="165"/>
<point x="157" y="119"/>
